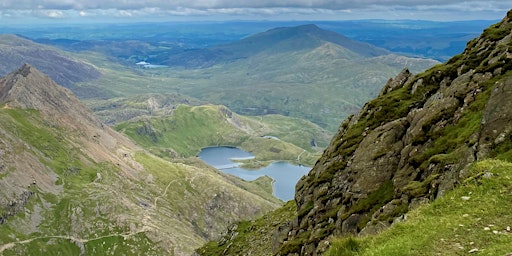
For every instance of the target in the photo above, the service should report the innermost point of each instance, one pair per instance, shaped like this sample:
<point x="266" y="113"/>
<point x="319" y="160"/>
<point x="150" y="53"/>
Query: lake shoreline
<point x="284" y="175"/>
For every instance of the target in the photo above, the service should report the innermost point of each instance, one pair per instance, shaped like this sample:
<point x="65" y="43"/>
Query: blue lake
<point x="285" y="175"/>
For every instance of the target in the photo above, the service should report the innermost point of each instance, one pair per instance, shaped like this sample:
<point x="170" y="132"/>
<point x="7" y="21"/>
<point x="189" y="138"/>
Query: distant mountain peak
<point x="29" y="88"/>
<point x="310" y="36"/>
<point x="301" y="38"/>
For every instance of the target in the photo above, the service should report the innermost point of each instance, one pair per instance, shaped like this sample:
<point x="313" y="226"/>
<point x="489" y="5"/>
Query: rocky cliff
<point x="408" y="146"/>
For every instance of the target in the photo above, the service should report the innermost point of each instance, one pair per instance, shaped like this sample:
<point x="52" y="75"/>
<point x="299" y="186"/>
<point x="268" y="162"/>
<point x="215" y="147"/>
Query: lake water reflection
<point x="285" y="175"/>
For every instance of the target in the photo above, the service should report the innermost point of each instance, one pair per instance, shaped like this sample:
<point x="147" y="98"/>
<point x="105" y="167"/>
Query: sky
<point x="58" y="11"/>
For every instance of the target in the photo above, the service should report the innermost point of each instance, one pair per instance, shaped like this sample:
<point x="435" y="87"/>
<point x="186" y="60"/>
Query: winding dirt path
<point x="163" y="194"/>
<point x="127" y="235"/>
<point x="298" y="157"/>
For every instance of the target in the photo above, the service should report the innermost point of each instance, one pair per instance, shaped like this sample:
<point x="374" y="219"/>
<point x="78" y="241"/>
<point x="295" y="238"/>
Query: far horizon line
<point x="64" y="22"/>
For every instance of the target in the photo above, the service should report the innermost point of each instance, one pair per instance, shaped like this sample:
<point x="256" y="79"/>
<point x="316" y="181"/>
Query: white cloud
<point x="228" y="4"/>
<point x="54" y="14"/>
<point x="268" y="9"/>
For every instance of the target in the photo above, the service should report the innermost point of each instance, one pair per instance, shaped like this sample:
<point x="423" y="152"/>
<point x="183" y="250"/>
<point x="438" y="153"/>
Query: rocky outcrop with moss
<point x="410" y="145"/>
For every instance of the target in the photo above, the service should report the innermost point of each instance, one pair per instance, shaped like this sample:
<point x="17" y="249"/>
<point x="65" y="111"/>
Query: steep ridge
<point x="408" y="146"/>
<point x="28" y="88"/>
<point x="69" y="184"/>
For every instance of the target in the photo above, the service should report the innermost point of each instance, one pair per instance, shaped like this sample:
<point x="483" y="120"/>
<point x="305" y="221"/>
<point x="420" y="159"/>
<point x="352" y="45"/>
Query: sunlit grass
<point x="474" y="217"/>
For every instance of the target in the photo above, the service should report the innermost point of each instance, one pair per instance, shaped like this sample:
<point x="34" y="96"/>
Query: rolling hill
<point x="302" y="71"/>
<point x="60" y="66"/>
<point x="190" y="128"/>
<point x="277" y="40"/>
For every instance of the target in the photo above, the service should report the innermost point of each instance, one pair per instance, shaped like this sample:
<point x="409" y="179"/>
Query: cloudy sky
<point x="19" y="11"/>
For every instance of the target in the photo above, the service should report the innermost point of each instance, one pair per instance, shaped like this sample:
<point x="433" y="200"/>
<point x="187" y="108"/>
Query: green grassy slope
<point x="121" y="109"/>
<point x="57" y="199"/>
<point x="68" y="214"/>
<point x="473" y="218"/>
<point x="251" y="237"/>
<point x="191" y="128"/>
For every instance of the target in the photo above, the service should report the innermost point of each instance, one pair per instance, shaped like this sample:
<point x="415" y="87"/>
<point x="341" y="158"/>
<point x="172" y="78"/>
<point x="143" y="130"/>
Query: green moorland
<point x="472" y="218"/>
<point x="191" y="128"/>
<point x="77" y="205"/>
<point x="323" y="85"/>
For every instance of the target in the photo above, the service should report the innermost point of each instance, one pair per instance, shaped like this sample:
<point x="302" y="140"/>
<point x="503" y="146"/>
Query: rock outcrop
<point x="28" y="88"/>
<point x="409" y="145"/>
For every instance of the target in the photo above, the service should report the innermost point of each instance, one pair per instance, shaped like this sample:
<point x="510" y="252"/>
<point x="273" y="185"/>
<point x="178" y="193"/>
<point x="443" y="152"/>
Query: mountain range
<point x="301" y="71"/>
<point x="72" y="185"/>
<point x="60" y="66"/>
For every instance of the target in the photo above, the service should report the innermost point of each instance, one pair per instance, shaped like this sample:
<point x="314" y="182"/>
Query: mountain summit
<point x="273" y="41"/>
<point x="305" y="37"/>
<point x="28" y="88"/>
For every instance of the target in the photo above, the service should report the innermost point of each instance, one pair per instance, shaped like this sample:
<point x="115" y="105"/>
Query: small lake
<point x="285" y="175"/>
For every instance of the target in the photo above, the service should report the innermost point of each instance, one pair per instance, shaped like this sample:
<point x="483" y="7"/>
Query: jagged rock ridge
<point x="409" y="145"/>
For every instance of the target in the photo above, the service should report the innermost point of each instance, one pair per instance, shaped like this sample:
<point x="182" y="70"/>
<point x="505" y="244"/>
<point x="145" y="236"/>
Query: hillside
<point x="471" y="219"/>
<point x="190" y="128"/>
<point x="71" y="185"/>
<point x="277" y="40"/>
<point x="61" y="67"/>
<point x="422" y="137"/>
<point x="121" y="109"/>
<point x="302" y="72"/>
